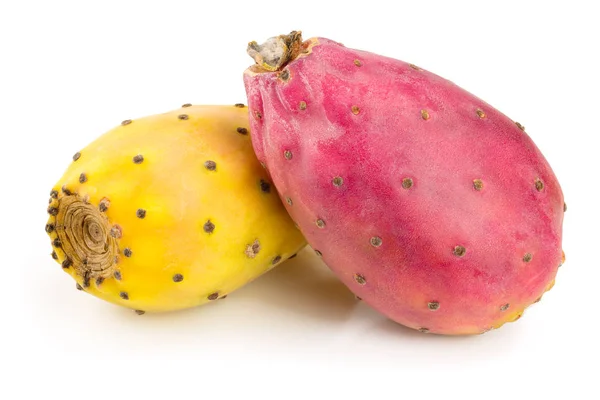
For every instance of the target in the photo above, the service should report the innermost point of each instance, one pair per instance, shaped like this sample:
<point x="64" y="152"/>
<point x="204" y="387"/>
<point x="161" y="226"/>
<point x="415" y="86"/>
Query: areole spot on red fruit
<point x="539" y="185"/>
<point x="376" y="241"/>
<point x="407" y="183"/>
<point x="284" y="75"/>
<point x="360" y="279"/>
<point x="459" y="251"/>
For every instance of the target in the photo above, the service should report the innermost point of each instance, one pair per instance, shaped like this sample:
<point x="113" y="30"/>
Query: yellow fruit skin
<point x="179" y="195"/>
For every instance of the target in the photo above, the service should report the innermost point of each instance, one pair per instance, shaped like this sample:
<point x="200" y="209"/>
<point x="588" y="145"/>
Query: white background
<point x="69" y="71"/>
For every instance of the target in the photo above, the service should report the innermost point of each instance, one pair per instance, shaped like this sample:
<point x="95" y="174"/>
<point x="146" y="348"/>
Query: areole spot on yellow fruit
<point x="173" y="214"/>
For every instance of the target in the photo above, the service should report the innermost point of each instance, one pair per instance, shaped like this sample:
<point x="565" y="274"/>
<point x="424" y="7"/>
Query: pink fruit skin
<point x="415" y="276"/>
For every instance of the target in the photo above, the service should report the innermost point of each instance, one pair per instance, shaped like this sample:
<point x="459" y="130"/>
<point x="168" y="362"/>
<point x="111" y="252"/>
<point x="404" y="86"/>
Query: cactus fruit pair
<point x="429" y="204"/>
<point x="433" y="207"/>
<point x="169" y="211"/>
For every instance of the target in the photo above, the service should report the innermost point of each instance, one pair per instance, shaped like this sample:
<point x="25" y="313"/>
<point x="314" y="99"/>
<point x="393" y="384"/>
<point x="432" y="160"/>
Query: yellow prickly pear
<point x="169" y="211"/>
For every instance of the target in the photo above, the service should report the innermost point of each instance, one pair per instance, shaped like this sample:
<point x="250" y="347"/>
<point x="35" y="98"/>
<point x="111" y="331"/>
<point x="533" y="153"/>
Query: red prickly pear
<point x="432" y="206"/>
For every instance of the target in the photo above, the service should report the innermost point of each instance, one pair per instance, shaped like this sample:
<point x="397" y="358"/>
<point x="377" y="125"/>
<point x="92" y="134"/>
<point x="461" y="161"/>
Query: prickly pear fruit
<point x="169" y="211"/>
<point x="429" y="204"/>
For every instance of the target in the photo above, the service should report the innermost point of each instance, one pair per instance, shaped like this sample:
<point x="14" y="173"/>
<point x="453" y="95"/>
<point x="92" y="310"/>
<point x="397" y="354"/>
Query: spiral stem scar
<point x="85" y="238"/>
